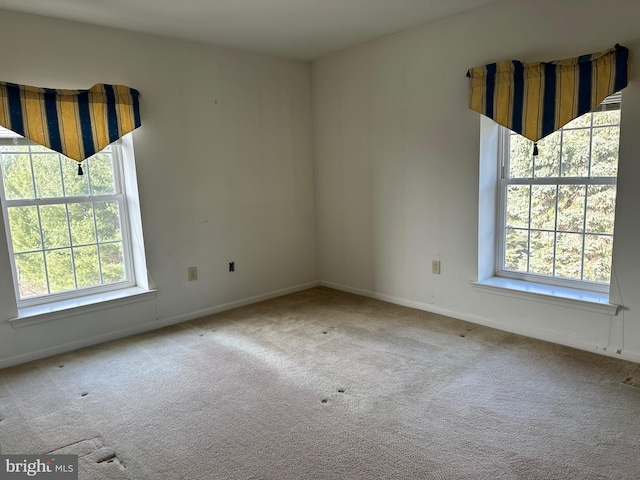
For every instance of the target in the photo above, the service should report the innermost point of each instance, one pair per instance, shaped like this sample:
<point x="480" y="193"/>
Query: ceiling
<point x="301" y="29"/>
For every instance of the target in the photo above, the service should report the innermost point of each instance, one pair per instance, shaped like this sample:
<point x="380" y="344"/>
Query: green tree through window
<point x="67" y="233"/>
<point x="558" y="208"/>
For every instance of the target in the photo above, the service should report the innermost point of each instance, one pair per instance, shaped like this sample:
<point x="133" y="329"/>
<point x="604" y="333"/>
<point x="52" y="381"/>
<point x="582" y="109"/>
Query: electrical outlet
<point x="192" y="273"/>
<point x="435" y="267"/>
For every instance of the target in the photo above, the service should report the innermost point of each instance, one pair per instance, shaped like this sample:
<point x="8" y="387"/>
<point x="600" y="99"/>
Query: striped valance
<point x="536" y="99"/>
<point x="76" y="123"/>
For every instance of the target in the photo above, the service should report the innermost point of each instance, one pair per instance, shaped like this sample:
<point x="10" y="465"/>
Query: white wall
<point x="224" y="162"/>
<point x="396" y="168"/>
<point x="397" y="165"/>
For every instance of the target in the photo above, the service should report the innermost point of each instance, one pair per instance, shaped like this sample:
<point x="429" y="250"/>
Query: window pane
<point x="575" y="153"/>
<point x="32" y="280"/>
<point x="559" y="219"/>
<point x="101" y="173"/>
<point x="74" y="185"/>
<point x="60" y="270"/>
<point x="518" y="206"/>
<point x="16" y="174"/>
<point x="520" y="157"/>
<point x="597" y="258"/>
<point x="571" y="208"/>
<point x="582" y="121"/>
<point x="604" y="157"/>
<point x="547" y="162"/>
<point x="87" y="270"/>
<point x="81" y="222"/>
<point x="601" y="205"/>
<point x="46" y="169"/>
<point x="112" y="262"/>
<point x="541" y="259"/>
<point x="517" y="250"/>
<point x="569" y="255"/>
<point x="25" y="231"/>
<point x="59" y="244"/>
<point x="612" y="117"/>
<point x="543" y="207"/>
<point x="108" y="221"/>
<point x="55" y="230"/>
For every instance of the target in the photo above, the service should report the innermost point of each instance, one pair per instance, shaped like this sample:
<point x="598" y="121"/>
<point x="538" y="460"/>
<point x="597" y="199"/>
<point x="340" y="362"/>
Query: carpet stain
<point x="633" y="379"/>
<point x="341" y="390"/>
<point x="109" y="457"/>
<point x="324" y="400"/>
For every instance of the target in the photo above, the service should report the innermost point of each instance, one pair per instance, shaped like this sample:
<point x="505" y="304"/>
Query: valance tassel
<point x="535" y="149"/>
<point x="80" y="172"/>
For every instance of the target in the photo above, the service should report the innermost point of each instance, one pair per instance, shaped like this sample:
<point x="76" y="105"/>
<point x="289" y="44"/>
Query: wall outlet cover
<point x="192" y="273"/>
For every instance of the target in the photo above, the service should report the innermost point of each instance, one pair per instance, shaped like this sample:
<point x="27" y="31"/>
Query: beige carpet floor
<point x="327" y="385"/>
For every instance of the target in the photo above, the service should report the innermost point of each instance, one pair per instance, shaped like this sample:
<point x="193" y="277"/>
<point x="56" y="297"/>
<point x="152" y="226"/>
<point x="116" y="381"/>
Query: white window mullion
<point x="95" y="229"/>
<point x="555" y="230"/>
<point x="26" y="202"/>
<point x="529" y="227"/>
<point x="87" y="174"/>
<point x="64" y="188"/>
<point x="564" y="181"/>
<point x="73" y="254"/>
<point x="584" y="225"/>
<point x="33" y="175"/>
<point x="590" y="144"/>
<point x="561" y="162"/>
<point x="586" y="195"/>
<point x="44" y="255"/>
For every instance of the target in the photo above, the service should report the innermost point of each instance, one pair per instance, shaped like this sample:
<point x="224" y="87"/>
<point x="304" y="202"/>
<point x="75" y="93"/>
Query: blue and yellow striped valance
<point x="536" y="99"/>
<point x="76" y="123"/>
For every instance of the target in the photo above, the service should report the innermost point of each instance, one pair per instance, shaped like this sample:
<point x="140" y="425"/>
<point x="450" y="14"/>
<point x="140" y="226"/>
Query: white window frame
<point x="119" y="196"/>
<point x="503" y="183"/>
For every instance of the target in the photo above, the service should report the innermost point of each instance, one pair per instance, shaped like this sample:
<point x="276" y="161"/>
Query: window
<point x="557" y="209"/>
<point x="68" y="234"/>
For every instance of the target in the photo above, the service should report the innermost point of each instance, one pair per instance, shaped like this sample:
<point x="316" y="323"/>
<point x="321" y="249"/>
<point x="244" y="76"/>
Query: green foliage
<point x="80" y="242"/>
<point x="539" y="232"/>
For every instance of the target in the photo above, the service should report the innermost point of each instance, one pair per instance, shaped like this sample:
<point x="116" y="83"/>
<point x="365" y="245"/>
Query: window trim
<point x="120" y="196"/>
<point x="596" y="302"/>
<point x="486" y="281"/>
<point x="83" y="305"/>
<point x="503" y="138"/>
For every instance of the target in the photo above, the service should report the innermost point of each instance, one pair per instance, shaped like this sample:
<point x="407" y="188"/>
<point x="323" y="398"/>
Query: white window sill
<point x="563" y="296"/>
<point x="79" y="306"/>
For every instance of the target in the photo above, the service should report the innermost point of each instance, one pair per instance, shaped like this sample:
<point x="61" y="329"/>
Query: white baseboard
<point x="625" y="354"/>
<point x="240" y="303"/>
<point x="146" y="327"/>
